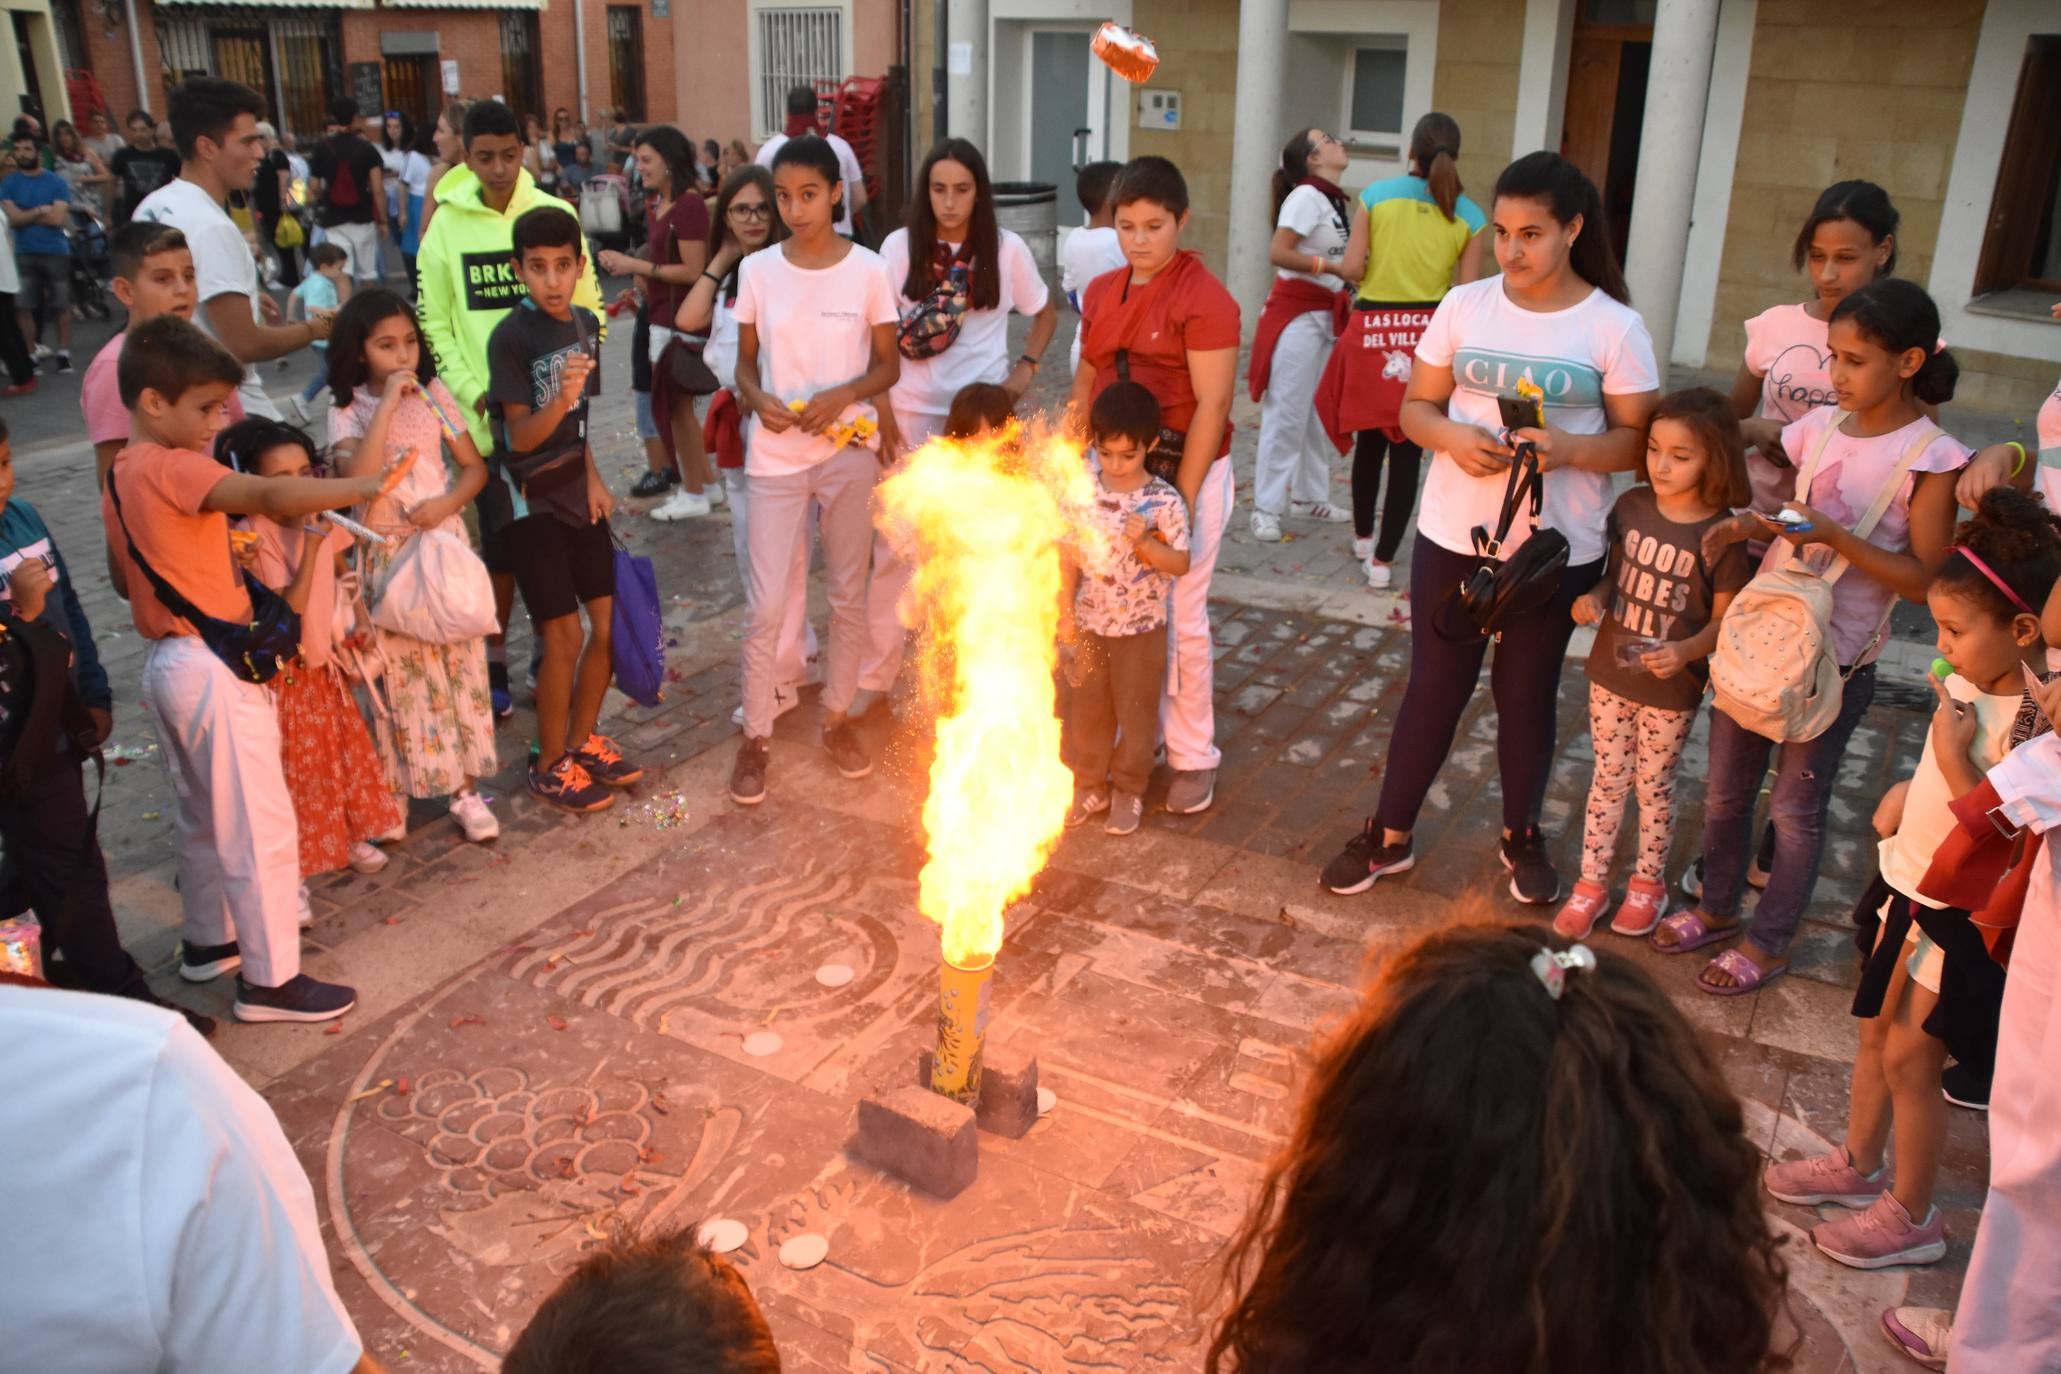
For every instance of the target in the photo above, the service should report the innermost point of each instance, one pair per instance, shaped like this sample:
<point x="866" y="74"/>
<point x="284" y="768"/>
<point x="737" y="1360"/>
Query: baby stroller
<point x="91" y="265"/>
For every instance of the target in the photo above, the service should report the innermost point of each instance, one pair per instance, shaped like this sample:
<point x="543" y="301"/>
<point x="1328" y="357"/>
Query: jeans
<point x="1805" y="773"/>
<point x="319" y="380"/>
<point x="1525" y="679"/>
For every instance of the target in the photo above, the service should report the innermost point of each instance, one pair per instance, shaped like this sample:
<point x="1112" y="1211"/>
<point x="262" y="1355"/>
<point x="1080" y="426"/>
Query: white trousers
<point x="796" y="654"/>
<point x="1188" y="715"/>
<point x="238" y="850"/>
<point x="886" y="631"/>
<point x="1292" y="463"/>
<point x="360" y="243"/>
<point x="2009" y="1320"/>
<point x="841" y="486"/>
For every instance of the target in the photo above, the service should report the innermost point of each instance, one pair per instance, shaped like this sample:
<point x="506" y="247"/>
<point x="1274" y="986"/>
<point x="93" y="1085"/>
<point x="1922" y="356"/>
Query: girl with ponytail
<point x="1293" y="341"/>
<point x="1554" y="327"/>
<point x="1888" y="363"/>
<point x="1404" y="259"/>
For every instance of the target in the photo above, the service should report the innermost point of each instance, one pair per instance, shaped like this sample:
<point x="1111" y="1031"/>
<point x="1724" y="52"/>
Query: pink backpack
<point x="1775" y="670"/>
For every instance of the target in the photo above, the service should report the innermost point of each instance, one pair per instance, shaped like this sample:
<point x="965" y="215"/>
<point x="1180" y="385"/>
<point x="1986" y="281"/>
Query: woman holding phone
<point x="1556" y="319"/>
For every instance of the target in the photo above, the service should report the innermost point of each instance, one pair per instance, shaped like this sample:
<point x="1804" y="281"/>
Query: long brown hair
<point x="983" y="234"/>
<point x="1486" y="1177"/>
<point x="1295" y="165"/>
<point x="1434" y="146"/>
<point x="751" y="174"/>
<point x="1709" y="416"/>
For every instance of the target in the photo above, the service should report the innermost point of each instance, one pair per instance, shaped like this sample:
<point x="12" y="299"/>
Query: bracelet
<point x="2018" y="466"/>
<point x="710" y="276"/>
<point x="1028" y="361"/>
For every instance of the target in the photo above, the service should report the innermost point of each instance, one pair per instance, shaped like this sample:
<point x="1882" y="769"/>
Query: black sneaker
<point x="64" y="360"/>
<point x="605" y="763"/>
<point x="1963" y="1087"/>
<point x="300" y="998"/>
<point x="655" y="483"/>
<point x="203" y="963"/>
<point x="1364" y="859"/>
<point x="565" y="784"/>
<point x="748" y="774"/>
<point x="849" y="756"/>
<point x="1533" y="879"/>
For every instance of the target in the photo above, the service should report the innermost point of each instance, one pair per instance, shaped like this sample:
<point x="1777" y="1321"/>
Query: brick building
<point x="1711" y="125"/>
<point x="538" y="55"/>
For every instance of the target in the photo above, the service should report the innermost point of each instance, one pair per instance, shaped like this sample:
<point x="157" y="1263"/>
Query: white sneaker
<point x="307" y="911"/>
<point x="1363" y="549"/>
<point x="1320" y="510"/>
<point x="469" y="809"/>
<point x="716" y="492"/>
<point x="367" y="858"/>
<point x="399" y="832"/>
<point x="1266" y="527"/>
<point x="41" y="353"/>
<point x="681" y="505"/>
<point x="785" y="699"/>
<point x="1380" y="576"/>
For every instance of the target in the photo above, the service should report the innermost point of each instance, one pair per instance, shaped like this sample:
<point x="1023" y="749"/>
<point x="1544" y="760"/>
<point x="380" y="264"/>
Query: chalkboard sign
<point x="365" y="88"/>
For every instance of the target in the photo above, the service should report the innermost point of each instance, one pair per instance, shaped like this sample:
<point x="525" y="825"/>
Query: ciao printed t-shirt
<point x="1661" y="589"/>
<point x="1786" y="348"/>
<point x="1595" y="348"/>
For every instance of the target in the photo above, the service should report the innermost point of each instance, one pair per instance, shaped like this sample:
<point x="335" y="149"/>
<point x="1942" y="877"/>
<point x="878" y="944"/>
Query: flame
<point x="981" y="522"/>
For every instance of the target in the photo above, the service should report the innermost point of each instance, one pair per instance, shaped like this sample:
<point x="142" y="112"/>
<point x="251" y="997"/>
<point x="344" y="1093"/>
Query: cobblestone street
<point x="551" y="1029"/>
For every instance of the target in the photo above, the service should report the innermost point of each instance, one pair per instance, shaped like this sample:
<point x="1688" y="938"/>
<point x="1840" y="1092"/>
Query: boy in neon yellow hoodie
<point x="467" y="287"/>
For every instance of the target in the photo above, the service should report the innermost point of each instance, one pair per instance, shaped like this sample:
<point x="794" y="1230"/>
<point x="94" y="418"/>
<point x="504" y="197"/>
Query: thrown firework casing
<point x="962" y="1026"/>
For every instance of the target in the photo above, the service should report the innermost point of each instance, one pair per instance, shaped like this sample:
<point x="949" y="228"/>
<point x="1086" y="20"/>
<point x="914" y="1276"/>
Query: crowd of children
<point x="1757" y="555"/>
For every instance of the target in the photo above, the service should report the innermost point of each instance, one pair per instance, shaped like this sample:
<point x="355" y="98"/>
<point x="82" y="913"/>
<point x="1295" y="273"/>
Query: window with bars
<point x="522" y="77"/>
<point x="292" y="60"/>
<point x="797" y="47"/>
<point x="626" y="60"/>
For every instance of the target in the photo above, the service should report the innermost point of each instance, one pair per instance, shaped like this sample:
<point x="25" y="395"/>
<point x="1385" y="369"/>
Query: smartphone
<point x="1519" y="413"/>
<point x="1791" y="520"/>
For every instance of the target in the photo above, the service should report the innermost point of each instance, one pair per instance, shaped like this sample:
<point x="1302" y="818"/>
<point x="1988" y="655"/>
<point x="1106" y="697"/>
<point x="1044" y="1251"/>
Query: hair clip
<point x="1552" y="967"/>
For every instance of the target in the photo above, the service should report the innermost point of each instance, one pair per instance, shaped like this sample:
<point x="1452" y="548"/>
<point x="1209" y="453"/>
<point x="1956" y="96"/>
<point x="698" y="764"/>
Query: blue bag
<point x="639" y="650"/>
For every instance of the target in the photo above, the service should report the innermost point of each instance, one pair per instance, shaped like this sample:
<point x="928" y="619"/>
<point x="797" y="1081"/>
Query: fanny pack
<point x="933" y="325"/>
<point x="1501" y="590"/>
<point x="255" y="652"/>
<point x="1163" y="459"/>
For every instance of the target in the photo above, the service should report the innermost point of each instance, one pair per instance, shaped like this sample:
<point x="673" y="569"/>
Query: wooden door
<point x="413" y="86"/>
<point x="1606" y="105"/>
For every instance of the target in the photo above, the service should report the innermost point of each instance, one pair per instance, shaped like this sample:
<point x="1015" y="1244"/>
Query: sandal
<point x="1691" y="931"/>
<point x="1747" y="975"/>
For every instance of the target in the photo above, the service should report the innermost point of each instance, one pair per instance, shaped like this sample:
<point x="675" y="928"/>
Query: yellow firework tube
<point x="962" y="1027"/>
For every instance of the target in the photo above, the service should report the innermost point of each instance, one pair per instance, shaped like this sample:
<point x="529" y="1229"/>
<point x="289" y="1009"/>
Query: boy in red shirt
<point x="239" y="866"/>
<point x="1166" y="323"/>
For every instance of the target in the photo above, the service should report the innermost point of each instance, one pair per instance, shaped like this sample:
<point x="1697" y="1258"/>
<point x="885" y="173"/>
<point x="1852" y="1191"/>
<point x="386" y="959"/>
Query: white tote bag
<point x="436" y="590"/>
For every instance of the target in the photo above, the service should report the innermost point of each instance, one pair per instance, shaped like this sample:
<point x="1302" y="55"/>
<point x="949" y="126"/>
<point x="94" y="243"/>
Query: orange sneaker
<point x="604" y="761"/>
<point x="1584" y="908"/>
<point x="1644" y="901"/>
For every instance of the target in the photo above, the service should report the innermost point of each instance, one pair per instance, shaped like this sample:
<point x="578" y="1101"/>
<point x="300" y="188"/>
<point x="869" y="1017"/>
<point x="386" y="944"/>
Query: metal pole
<point x="579" y="49"/>
<point x="143" y="100"/>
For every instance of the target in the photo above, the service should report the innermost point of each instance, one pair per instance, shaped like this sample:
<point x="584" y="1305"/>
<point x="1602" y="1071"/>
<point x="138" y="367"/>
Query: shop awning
<point x="465" y="4"/>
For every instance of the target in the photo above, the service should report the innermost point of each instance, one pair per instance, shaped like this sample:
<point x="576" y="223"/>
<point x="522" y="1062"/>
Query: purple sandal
<point x="1690" y="932"/>
<point x="1747" y="976"/>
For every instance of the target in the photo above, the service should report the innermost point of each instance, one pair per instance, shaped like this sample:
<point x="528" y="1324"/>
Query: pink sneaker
<point x="1881" y="1236"/>
<point x="1644" y="901"/>
<point x="1922" y="1333"/>
<point x="1827" y="1178"/>
<point x="1584" y="908"/>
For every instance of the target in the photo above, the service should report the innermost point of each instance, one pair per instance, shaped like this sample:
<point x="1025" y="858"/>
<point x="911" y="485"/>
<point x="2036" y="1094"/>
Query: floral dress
<point x="437" y="728"/>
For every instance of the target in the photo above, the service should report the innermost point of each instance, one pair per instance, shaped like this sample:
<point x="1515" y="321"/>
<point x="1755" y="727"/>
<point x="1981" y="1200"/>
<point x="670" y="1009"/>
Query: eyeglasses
<point x="751" y="211"/>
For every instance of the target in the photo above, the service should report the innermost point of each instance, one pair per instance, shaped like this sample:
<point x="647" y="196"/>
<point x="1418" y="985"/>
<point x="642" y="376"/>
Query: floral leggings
<point x="1636" y="746"/>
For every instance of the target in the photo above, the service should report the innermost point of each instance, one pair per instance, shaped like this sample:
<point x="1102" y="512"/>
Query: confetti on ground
<point x="805" y="1251"/>
<point x="335" y="1028"/>
<point x="556" y="1021"/>
<point x="375" y="1090"/>
<point x="662" y="812"/>
<point x="834" y="975"/>
<point x="467" y="1020"/>
<point x="759" y="1044"/>
<point x="153" y="815"/>
<point x="1047" y="1100"/>
<point x="723" y="1235"/>
<point x="390" y="921"/>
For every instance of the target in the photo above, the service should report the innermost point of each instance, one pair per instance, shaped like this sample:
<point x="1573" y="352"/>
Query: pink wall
<point x="712" y="75"/>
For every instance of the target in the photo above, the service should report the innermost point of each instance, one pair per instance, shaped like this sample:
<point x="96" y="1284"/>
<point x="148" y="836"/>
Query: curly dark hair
<point x="2020" y="539"/>
<point x="353" y="326"/>
<point x="1487" y="1178"/>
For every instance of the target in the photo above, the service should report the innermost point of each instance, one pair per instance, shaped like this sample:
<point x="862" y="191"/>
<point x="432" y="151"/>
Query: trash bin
<point x="1031" y="208"/>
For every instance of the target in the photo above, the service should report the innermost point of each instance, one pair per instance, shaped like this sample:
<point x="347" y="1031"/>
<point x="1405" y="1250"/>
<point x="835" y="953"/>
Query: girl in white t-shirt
<point x="1888" y="362"/>
<point x="957" y="277"/>
<point x="1555" y="319"/>
<point x="1291" y="473"/>
<point x="815" y="338"/>
<point x="1847" y="241"/>
<point x="744" y="220"/>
